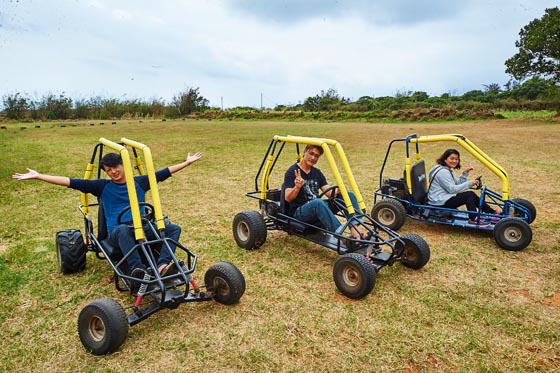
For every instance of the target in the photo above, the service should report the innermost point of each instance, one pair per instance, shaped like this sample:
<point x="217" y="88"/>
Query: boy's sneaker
<point x="140" y="274"/>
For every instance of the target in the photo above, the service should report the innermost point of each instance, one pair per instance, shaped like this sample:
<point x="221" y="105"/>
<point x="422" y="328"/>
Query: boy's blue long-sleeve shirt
<point x="114" y="197"/>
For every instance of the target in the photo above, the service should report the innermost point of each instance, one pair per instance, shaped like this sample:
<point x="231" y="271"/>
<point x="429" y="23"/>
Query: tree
<point x="474" y="95"/>
<point x="15" y="106"/>
<point x="539" y="49"/>
<point x="492" y="88"/>
<point x="531" y="89"/>
<point x="56" y="107"/>
<point x="189" y="101"/>
<point x="419" y="96"/>
<point x="326" y="101"/>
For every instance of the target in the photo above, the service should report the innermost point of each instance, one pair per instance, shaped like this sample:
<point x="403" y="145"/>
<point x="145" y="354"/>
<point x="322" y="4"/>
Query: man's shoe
<point x="169" y="270"/>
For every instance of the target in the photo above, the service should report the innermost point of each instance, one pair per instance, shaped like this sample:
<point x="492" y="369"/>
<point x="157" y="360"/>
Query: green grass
<point x="540" y="114"/>
<point x="474" y="307"/>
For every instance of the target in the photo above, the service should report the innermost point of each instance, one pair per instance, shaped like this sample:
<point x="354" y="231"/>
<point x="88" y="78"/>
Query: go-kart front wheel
<point x="226" y="282"/>
<point x="102" y="326"/>
<point x="415" y="253"/>
<point x="249" y="230"/>
<point x="354" y="275"/>
<point x="390" y="213"/>
<point x="513" y="234"/>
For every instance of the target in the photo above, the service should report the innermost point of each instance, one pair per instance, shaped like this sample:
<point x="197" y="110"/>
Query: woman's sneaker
<point x="478" y="223"/>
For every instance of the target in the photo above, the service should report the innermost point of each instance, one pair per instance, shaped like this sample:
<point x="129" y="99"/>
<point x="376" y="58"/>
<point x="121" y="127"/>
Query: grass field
<point x="474" y="307"/>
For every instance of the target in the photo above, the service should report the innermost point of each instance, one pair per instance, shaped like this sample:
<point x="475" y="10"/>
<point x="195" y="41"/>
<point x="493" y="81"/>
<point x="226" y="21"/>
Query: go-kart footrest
<point x="174" y="295"/>
<point x="381" y="257"/>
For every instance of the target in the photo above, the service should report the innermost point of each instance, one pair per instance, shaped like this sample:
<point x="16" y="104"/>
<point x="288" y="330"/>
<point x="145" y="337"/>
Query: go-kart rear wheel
<point x="70" y="251"/>
<point x="513" y="234"/>
<point x="354" y="275"/>
<point x="416" y="252"/>
<point x="529" y="206"/>
<point x="249" y="230"/>
<point x="102" y="326"/>
<point x="390" y="213"/>
<point x="226" y="282"/>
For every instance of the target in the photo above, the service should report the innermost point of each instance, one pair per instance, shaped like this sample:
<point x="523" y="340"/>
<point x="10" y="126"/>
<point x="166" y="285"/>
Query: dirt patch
<point x="523" y="293"/>
<point x="553" y="300"/>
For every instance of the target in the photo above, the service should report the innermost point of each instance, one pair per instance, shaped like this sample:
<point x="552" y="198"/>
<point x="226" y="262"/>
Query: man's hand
<point x="30" y="174"/>
<point x="299" y="181"/>
<point x="193" y="158"/>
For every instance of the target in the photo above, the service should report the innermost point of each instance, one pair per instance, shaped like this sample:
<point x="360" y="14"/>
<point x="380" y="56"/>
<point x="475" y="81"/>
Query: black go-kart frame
<point x="103" y="324"/>
<point x="355" y="271"/>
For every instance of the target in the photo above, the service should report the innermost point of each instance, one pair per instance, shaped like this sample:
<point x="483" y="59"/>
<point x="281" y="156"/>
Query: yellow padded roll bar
<point x="83" y="196"/>
<point x="158" y="214"/>
<point x="325" y="144"/>
<point x="473" y="150"/>
<point x="133" y="197"/>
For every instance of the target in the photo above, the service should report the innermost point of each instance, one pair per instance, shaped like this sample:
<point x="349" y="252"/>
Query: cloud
<point x="383" y="12"/>
<point x="236" y="50"/>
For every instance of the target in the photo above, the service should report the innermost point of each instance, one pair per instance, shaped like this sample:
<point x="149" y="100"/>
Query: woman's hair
<point x="111" y="160"/>
<point x="446" y="154"/>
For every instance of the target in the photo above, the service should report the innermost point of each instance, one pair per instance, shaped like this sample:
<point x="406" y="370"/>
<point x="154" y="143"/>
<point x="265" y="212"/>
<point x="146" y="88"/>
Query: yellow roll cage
<point x="129" y="175"/>
<point x="326" y="145"/>
<point x="465" y="144"/>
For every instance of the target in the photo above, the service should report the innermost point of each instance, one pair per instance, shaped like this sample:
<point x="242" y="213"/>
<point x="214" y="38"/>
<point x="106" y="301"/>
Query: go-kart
<point x="355" y="271"/>
<point x="397" y="198"/>
<point x="103" y="324"/>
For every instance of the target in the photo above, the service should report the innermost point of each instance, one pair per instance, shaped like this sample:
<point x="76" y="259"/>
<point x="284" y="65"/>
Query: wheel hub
<point x="243" y="232"/>
<point x="96" y="329"/>
<point x="351" y="277"/>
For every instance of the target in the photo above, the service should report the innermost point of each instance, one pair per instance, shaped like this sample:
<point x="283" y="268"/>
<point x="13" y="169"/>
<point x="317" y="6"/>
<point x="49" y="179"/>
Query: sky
<point x="257" y="53"/>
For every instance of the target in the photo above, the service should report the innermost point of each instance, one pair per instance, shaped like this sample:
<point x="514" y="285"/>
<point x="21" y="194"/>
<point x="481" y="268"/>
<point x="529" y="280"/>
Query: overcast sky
<point x="239" y="52"/>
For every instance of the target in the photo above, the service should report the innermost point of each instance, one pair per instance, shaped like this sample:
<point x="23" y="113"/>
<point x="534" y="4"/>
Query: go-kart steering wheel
<point x="146" y="207"/>
<point x="326" y="191"/>
<point x="479" y="186"/>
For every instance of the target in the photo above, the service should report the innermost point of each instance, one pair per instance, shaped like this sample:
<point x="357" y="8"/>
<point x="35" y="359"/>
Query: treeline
<point x="532" y="95"/>
<point x="51" y="107"/>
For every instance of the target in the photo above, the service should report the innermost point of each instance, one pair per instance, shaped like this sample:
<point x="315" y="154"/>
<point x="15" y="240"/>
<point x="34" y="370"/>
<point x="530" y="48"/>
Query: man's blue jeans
<point x="123" y="237"/>
<point x="319" y="210"/>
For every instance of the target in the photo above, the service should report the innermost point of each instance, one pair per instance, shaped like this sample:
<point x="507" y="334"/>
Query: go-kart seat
<point x="113" y="252"/>
<point x="419" y="183"/>
<point x="284" y="210"/>
<point x="284" y="205"/>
